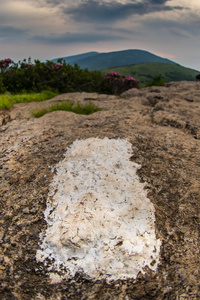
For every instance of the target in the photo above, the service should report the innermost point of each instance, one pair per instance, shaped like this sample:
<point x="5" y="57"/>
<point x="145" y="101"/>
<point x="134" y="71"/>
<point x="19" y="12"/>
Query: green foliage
<point x="157" y="81"/>
<point x="85" y="109"/>
<point x="147" y="71"/>
<point x="6" y="100"/>
<point x="2" y="87"/>
<point x="27" y="77"/>
<point x="38" y="76"/>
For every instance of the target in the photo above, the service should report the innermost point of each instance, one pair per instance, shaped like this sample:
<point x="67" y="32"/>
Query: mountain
<point x="98" y="61"/>
<point x="147" y="71"/>
<point x="74" y="58"/>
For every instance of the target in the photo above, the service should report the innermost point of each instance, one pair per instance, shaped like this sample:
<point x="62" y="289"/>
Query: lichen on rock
<point x="99" y="219"/>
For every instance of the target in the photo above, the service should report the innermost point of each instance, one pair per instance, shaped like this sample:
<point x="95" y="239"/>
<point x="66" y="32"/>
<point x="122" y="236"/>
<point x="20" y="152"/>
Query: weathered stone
<point x="165" y="142"/>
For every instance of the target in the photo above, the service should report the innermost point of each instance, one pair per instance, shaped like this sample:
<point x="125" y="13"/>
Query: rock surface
<point x="163" y="126"/>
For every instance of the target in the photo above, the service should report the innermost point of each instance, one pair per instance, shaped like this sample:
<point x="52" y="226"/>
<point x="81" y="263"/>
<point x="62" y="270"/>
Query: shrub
<point x="156" y="81"/>
<point x="5" y="63"/>
<point x="120" y="83"/>
<point x="26" y="76"/>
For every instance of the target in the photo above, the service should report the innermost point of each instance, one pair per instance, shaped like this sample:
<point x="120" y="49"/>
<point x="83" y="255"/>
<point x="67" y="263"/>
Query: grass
<point x="7" y="100"/>
<point x="84" y="109"/>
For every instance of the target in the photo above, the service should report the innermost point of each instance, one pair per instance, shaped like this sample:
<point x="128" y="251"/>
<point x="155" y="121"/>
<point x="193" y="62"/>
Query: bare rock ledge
<point x="162" y="127"/>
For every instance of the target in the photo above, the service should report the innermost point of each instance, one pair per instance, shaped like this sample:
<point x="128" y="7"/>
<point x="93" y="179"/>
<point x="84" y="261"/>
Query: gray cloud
<point x="8" y="32"/>
<point x="100" y="11"/>
<point x="69" y="37"/>
<point x="52" y="2"/>
<point x="187" y="27"/>
<point x="114" y="30"/>
<point x="37" y="32"/>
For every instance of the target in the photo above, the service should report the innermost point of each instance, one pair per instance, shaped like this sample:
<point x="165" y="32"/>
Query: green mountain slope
<point x="147" y="71"/>
<point x="98" y="61"/>
<point x="74" y="58"/>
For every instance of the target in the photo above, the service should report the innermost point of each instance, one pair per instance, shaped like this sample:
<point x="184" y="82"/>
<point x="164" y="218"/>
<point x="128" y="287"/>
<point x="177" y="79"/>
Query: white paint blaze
<point x="99" y="219"/>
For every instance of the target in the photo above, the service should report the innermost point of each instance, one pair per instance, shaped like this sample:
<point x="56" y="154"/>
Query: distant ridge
<point x="74" y="58"/>
<point x="97" y="61"/>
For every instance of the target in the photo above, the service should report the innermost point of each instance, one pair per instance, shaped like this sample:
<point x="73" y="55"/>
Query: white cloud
<point x="23" y="14"/>
<point x="192" y="4"/>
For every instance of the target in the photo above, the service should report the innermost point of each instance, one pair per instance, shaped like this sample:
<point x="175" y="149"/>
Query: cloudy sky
<point x="46" y="29"/>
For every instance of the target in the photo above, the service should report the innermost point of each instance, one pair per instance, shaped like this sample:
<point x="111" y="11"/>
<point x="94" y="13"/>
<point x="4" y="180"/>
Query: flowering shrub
<point x="26" y="65"/>
<point x="56" y="66"/>
<point x="4" y="63"/>
<point x="26" y="76"/>
<point x="120" y="83"/>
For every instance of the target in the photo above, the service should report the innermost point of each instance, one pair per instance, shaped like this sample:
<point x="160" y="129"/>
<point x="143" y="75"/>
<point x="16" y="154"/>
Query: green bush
<point x="27" y="77"/>
<point x="156" y="81"/>
<point x="85" y="109"/>
<point x="38" y="76"/>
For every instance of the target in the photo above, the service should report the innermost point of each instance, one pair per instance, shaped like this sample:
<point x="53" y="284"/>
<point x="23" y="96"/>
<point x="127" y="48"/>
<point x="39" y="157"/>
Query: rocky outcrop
<point x="163" y="126"/>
